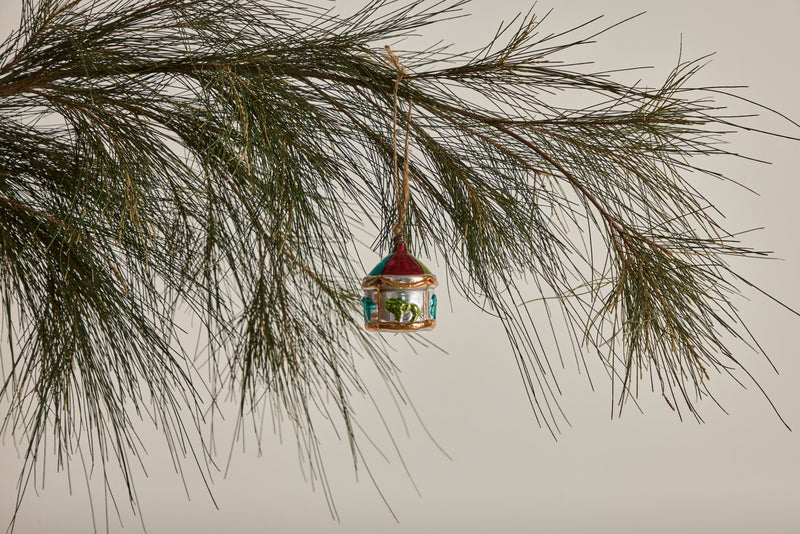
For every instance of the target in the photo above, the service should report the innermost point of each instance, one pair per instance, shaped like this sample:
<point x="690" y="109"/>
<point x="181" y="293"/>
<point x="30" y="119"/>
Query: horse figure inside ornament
<point x="399" y="307"/>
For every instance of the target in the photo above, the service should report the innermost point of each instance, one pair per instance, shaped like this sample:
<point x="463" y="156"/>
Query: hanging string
<point x="402" y="192"/>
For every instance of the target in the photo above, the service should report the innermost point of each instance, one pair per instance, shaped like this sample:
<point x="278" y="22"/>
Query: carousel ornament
<point x="399" y="292"/>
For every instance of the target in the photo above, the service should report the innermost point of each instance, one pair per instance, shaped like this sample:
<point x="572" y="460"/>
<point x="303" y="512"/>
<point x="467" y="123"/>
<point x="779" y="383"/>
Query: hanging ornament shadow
<point x="399" y="294"/>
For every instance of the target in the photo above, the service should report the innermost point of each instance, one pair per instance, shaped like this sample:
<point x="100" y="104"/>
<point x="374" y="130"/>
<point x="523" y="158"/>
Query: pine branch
<point x="222" y="156"/>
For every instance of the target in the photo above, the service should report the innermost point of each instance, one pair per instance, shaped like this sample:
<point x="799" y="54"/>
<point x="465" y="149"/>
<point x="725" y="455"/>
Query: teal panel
<point x="379" y="268"/>
<point x="368" y="305"/>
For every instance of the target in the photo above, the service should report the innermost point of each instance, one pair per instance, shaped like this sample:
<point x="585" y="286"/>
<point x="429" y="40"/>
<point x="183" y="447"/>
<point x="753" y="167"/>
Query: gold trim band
<point x="399" y="327"/>
<point x="379" y="281"/>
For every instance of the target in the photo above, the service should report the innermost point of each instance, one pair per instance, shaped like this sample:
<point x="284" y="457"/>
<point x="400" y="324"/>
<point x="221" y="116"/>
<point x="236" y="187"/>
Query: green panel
<point x="425" y="269"/>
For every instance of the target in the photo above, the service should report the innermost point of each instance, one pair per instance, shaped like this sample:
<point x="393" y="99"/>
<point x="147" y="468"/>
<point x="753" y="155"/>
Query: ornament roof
<point x="399" y="263"/>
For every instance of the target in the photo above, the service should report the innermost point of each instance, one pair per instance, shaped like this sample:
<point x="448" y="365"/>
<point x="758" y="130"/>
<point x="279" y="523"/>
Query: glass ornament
<point x="399" y="294"/>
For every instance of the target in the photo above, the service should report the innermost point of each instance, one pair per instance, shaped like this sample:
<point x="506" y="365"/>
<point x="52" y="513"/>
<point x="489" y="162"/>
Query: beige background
<point x="643" y="473"/>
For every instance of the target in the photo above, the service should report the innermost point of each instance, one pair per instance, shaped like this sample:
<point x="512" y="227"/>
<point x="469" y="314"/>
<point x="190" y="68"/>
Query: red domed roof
<point x="399" y="263"/>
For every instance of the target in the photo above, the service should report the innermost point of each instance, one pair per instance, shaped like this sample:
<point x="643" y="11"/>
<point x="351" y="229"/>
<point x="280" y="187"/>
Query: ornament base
<point x="401" y="327"/>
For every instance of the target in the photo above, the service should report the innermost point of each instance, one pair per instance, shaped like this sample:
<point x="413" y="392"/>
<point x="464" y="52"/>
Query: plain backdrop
<point x="650" y="472"/>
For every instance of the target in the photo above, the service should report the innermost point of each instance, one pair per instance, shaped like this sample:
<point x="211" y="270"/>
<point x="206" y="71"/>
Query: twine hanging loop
<point x="402" y="192"/>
